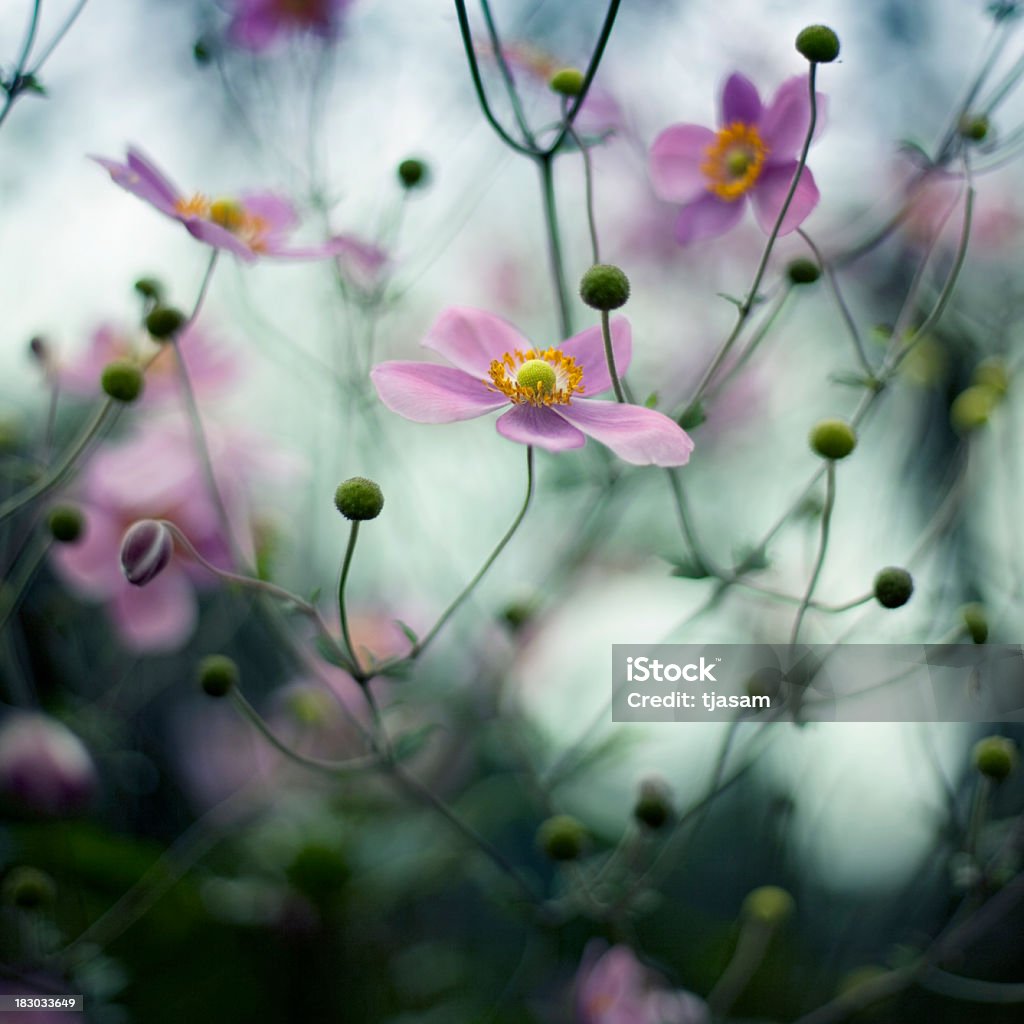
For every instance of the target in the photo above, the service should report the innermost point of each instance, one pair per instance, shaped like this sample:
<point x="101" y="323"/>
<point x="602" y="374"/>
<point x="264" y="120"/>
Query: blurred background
<point x="189" y="868"/>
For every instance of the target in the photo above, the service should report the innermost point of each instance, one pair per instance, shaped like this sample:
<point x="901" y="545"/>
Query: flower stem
<point x="342" y="614"/>
<point x="609" y="355"/>
<point x="422" y="643"/>
<point x="826" y="523"/>
<point x="545" y="164"/>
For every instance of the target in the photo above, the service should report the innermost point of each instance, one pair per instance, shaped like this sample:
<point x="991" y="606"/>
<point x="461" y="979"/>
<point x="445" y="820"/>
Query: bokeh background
<point x="258" y="891"/>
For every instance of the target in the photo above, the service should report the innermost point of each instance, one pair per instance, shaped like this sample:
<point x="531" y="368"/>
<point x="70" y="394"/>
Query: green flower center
<point x="536" y="373"/>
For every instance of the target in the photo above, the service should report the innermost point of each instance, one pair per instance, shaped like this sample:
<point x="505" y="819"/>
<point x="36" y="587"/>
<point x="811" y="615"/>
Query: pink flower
<point x="45" y="770"/>
<point x="251" y="225"/>
<point x="495" y="366"/>
<point x="613" y="987"/>
<point x="754" y="153"/>
<point x="211" y="366"/>
<point x="156" y="474"/>
<point x="257" y="24"/>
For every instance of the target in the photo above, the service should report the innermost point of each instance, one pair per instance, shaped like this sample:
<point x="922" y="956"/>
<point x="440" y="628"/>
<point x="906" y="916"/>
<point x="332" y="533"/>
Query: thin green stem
<point x="595" y="60"/>
<point x="588" y="186"/>
<point x="545" y="165"/>
<point x="506" y="74"/>
<point x="478" y="85"/>
<point x="27" y="566"/>
<point x="424" y="641"/>
<point x="748" y="957"/>
<point x="826" y="523"/>
<point x="334" y="769"/>
<point x="353" y="536"/>
<point x="58" y="36"/>
<point x="609" y="355"/>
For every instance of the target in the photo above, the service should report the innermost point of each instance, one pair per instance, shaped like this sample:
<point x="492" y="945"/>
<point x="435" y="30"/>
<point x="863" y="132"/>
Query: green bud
<point x="995" y="757"/>
<point x="149" y="288"/>
<point x="165" y="322"/>
<point x="562" y="837"/>
<point x="769" y="905"/>
<point x="413" y="173"/>
<point x="66" y="523"/>
<point x="653" y="806"/>
<point x="974" y="127"/>
<point x="972" y="408"/>
<point x="567" y="82"/>
<point x="803" y="271"/>
<point x="976" y="621"/>
<point x="28" y="888"/>
<point x="358" y="499"/>
<point x="122" y="380"/>
<point x="818" y="43"/>
<point x="604" y="287"/>
<point x="201" y="51"/>
<point x="833" y="439"/>
<point x="992" y="374"/>
<point x="893" y="587"/>
<point x="218" y="675"/>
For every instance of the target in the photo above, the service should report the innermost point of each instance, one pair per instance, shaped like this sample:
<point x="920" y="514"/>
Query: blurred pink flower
<point x="495" y="366"/>
<point x="211" y="366"/>
<point x="257" y="24"/>
<point x="250" y="225"/>
<point x="156" y="474"/>
<point x="613" y="987"/>
<point x="753" y="154"/>
<point x="45" y="769"/>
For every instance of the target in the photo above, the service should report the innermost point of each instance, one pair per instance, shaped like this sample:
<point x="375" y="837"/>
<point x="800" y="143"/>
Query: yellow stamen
<point x="734" y="160"/>
<point x="520" y="380"/>
<point x="229" y="214"/>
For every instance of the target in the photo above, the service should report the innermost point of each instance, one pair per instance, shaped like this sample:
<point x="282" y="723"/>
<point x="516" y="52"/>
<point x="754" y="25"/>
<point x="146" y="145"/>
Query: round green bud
<point x="413" y="173"/>
<point x="567" y="82"/>
<point x="972" y="408"/>
<point x="165" y="322"/>
<point x="604" y="287"/>
<point x="201" y="52"/>
<point x="974" y="127"/>
<point x="653" y="806"/>
<point x="992" y="374"/>
<point x="149" y="288"/>
<point x="536" y="373"/>
<point x="803" y="271"/>
<point x="976" y="621"/>
<point x="768" y="905"/>
<point x="995" y="757"/>
<point x="517" y="614"/>
<point x="833" y="439"/>
<point x="818" y="43"/>
<point x="122" y="380"/>
<point x="218" y="675"/>
<point x="893" y="587"/>
<point x="66" y="523"/>
<point x="28" y="888"/>
<point x="358" y="498"/>
<point x="562" y="837"/>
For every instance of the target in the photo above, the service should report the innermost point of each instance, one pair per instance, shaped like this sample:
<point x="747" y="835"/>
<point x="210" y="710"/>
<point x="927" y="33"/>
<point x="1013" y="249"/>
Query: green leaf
<point x="693" y="416"/>
<point x="410" y="633"/>
<point x="688" y="568"/>
<point x="330" y="653"/>
<point x="411" y="743"/>
<point x="652" y="400"/>
<point x="751" y="559"/>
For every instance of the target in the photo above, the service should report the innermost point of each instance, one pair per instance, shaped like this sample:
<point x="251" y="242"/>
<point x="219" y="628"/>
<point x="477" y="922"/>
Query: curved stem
<point x="588" y="187"/>
<point x="421" y="644"/>
<point x="826" y="523"/>
<point x="342" y="614"/>
<point x="506" y="74"/>
<point x="609" y="356"/>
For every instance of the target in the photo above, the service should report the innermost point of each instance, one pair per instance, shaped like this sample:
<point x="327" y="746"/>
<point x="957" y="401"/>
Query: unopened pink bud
<point x="145" y="551"/>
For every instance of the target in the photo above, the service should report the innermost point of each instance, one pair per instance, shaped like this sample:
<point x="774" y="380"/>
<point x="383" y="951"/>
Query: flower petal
<point x="472" y="339"/>
<point x="145" y="188"/>
<point x="220" y="238"/>
<point x="638" y="435"/>
<point x="677" y="155"/>
<point x="784" y="123"/>
<point x="769" y="194"/>
<point x="707" y="217"/>
<point x="587" y="348"/>
<point x="740" y="101"/>
<point x="89" y="566"/>
<point x="427" y="393"/>
<point x="539" y="425"/>
<point x="275" y="211"/>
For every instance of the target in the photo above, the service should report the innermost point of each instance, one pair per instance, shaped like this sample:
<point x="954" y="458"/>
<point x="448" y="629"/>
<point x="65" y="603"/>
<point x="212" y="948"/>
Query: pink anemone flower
<point x="250" y="225"/>
<point x="752" y="155"/>
<point x="494" y="366"/>
<point x="257" y="24"/>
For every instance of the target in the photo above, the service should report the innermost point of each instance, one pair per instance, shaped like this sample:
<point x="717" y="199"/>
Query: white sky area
<point x="71" y="243"/>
